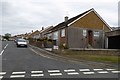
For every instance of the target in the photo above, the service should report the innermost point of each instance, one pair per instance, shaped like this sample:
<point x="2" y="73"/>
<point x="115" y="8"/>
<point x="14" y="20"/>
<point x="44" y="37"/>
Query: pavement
<point x="37" y="63"/>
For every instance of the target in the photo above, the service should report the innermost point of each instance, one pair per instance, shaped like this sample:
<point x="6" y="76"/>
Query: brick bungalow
<point x="85" y="30"/>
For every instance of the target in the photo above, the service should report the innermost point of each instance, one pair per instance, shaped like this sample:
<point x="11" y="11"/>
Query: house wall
<point x="37" y="36"/>
<point x="91" y="21"/>
<point x="76" y="39"/>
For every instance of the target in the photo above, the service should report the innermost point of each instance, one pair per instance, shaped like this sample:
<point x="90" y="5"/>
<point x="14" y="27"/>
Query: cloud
<point x="21" y="16"/>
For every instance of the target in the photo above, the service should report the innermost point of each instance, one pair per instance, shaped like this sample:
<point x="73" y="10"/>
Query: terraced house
<point x="85" y="30"/>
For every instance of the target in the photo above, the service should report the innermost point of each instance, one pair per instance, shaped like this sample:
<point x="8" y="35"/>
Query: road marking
<point x="19" y="72"/>
<point x="36" y="71"/>
<point x="2" y="73"/>
<point x="1" y="77"/>
<point x="73" y="73"/>
<point x="88" y="72"/>
<point x="84" y="69"/>
<point x="2" y="52"/>
<point x="5" y="46"/>
<point x="102" y="72"/>
<point x="110" y="69"/>
<point x="3" y="49"/>
<point x="115" y="71"/>
<point x="37" y="75"/>
<point x="55" y="74"/>
<point x="53" y="71"/>
<point x="17" y="76"/>
<point x="97" y="69"/>
<point x="69" y="70"/>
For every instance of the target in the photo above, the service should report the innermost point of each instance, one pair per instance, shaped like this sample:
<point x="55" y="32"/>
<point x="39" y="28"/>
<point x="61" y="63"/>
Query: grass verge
<point x="91" y="57"/>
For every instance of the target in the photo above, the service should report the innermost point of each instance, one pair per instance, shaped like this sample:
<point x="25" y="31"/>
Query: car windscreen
<point x="21" y="40"/>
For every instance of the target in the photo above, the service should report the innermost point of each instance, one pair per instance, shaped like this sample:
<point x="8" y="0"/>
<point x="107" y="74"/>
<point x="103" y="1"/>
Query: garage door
<point x="114" y="42"/>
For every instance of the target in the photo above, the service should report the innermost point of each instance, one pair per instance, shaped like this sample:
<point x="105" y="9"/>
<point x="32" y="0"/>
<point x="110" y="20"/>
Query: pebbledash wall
<point x="78" y="38"/>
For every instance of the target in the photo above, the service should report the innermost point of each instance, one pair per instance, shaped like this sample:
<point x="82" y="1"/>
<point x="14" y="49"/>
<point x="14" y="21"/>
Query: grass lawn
<point x="92" y="57"/>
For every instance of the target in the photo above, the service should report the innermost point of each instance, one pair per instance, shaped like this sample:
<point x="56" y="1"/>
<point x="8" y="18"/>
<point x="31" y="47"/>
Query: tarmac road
<point x="32" y="63"/>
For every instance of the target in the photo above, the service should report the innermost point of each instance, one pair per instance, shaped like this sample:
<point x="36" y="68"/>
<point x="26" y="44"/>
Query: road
<point x="34" y="63"/>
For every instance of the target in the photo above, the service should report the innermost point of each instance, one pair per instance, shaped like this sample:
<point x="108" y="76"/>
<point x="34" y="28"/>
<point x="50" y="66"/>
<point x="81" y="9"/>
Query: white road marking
<point x="69" y="70"/>
<point x="19" y="72"/>
<point x="55" y="74"/>
<point x="115" y="71"/>
<point x="88" y="72"/>
<point x="2" y="52"/>
<point x="5" y="46"/>
<point x="2" y="73"/>
<point x="73" y="73"/>
<point x="17" y="76"/>
<point x="110" y="69"/>
<point x="102" y="72"/>
<point x="1" y="77"/>
<point x="97" y="69"/>
<point x="3" y="49"/>
<point x="84" y="69"/>
<point x="53" y="71"/>
<point x="36" y="71"/>
<point x="37" y="75"/>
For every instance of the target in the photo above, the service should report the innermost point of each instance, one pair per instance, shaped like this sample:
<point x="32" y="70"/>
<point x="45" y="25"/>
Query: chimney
<point x="32" y="31"/>
<point x="42" y="28"/>
<point x="66" y="18"/>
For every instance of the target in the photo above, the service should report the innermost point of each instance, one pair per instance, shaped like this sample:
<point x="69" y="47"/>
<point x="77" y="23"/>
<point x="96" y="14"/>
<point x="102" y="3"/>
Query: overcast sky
<point x="21" y="16"/>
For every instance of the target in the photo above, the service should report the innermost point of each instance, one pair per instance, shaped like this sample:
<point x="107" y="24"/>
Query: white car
<point x="21" y="42"/>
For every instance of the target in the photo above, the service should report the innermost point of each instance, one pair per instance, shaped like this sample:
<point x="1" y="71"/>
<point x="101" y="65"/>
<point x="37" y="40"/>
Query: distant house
<point x="45" y="32"/>
<point x="35" y="35"/>
<point x="85" y="30"/>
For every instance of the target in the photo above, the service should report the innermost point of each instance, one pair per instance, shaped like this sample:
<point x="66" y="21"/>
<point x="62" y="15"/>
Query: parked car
<point x="21" y="42"/>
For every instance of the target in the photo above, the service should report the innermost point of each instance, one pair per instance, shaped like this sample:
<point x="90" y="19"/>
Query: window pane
<point x="84" y="32"/>
<point x="96" y="34"/>
<point x="49" y="36"/>
<point x="55" y="35"/>
<point x="63" y="33"/>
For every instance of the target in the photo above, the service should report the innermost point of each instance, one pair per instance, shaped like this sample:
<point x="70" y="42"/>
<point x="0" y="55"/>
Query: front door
<point x="90" y="37"/>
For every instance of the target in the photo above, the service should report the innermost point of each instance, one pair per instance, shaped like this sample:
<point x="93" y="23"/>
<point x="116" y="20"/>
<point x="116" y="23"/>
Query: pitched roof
<point x="34" y="33"/>
<point x="72" y="20"/>
<point x="46" y="30"/>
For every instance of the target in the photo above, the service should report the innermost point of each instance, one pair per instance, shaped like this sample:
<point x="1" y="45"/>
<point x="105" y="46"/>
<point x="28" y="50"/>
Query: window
<point x="49" y="36"/>
<point x="55" y="35"/>
<point x="63" y="33"/>
<point x="96" y="34"/>
<point x="84" y="32"/>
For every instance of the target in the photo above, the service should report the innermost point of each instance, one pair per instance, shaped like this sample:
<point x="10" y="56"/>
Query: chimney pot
<point x="42" y="28"/>
<point x="66" y="18"/>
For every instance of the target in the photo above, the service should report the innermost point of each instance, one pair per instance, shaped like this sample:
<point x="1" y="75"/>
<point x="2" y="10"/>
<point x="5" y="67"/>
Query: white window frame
<point x="55" y="35"/>
<point x="63" y="33"/>
<point x="96" y="33"/>
<point x="84" y="32"/>
<point x="49" y="36"/>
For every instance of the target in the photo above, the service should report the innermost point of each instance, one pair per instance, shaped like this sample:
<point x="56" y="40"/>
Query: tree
<point x="7" y="36"/>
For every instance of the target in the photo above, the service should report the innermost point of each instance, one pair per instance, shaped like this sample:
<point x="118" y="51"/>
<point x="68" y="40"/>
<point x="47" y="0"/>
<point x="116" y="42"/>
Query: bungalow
<point x="85" y="30"/>
<point x="35" y="35"/>
<point x="44" y="32"/>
